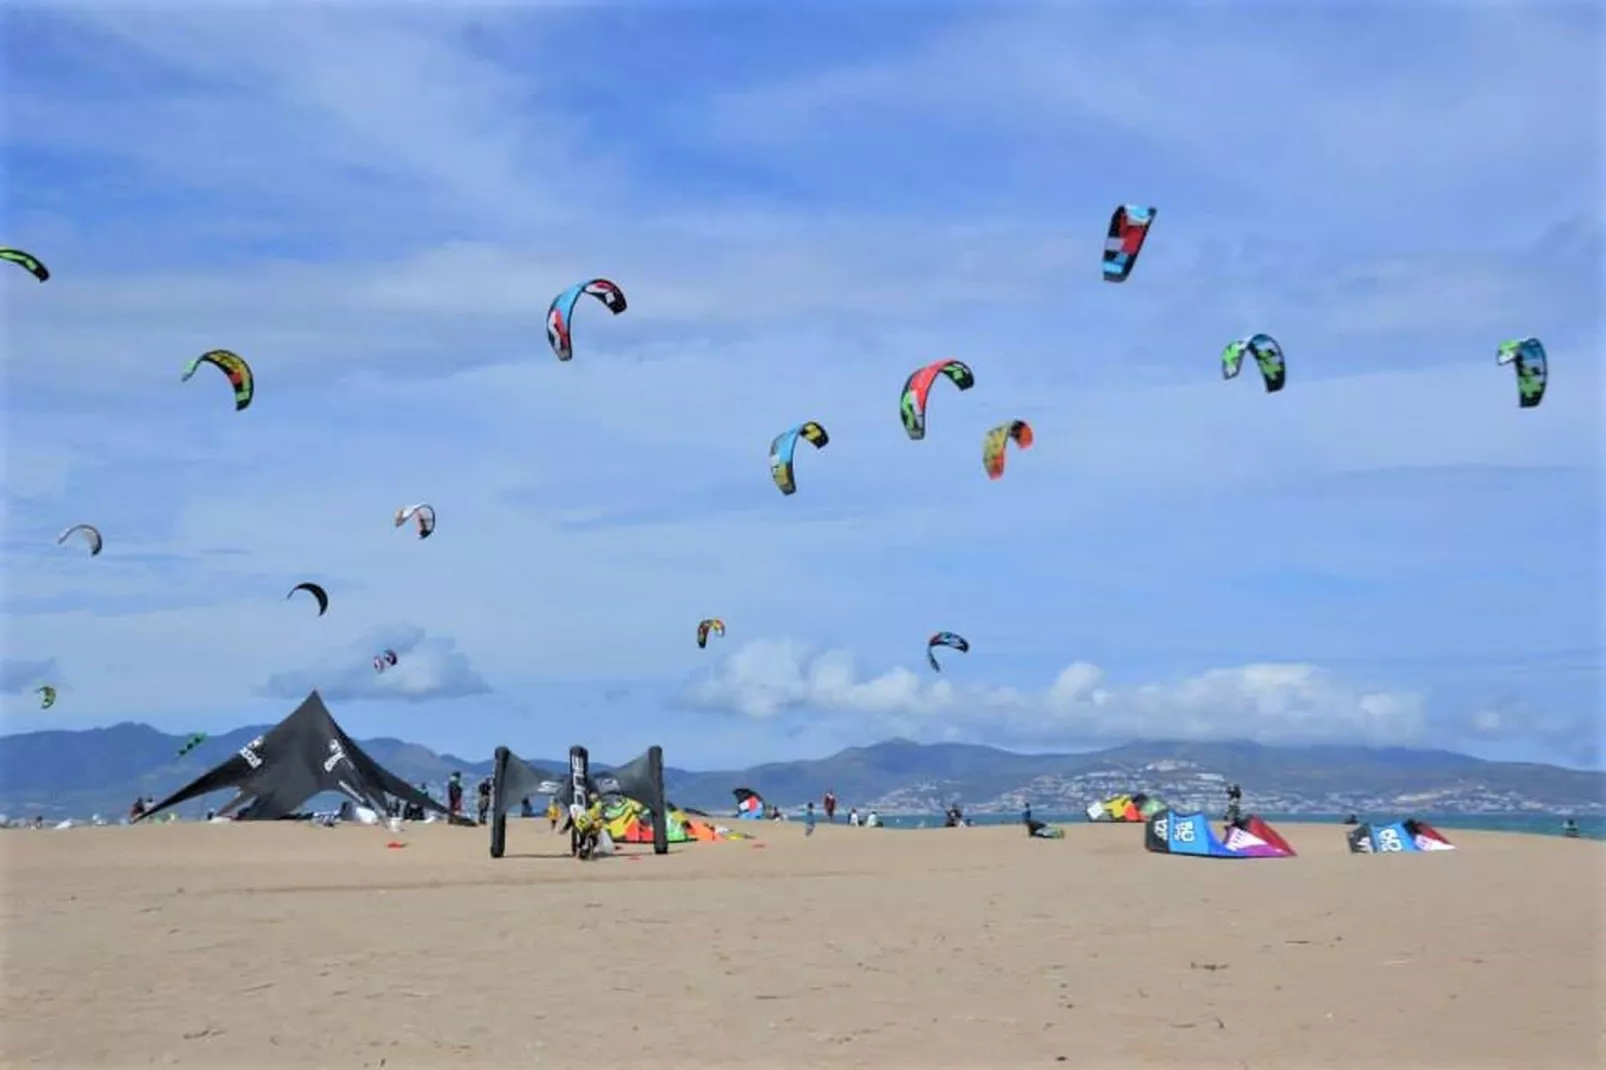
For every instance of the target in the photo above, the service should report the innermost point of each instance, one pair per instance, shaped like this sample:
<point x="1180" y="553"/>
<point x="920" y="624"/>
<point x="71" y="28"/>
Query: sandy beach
<point x="288" y="945"/>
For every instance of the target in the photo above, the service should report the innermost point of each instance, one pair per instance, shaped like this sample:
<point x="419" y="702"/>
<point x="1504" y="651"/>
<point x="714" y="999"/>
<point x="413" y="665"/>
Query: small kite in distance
<point x="316" y="591"/>
<point x="704" y="627"/>
<point x="785" y="445"/>
<point x="1129" y="228"/>
<point x="27" y="261"/>
<point x="423" y="513"/>
<point x="47" y="696"/>
<point x="232" y="365"/>
<point x="194" y="740"/>
<point x="384" y="660"/>
<point x="947" y="639"/>
<point x="1268" y="356"/>
<point x="91" y="536"/>
<point x="1533" y="369"/>
<point x="560" y="315"/>
<point x="917" y="388"/>
<point x="996" y="440"/>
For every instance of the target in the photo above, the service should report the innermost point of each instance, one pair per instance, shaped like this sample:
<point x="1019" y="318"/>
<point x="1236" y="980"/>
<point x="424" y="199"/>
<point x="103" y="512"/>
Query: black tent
<point x="514" y="779"/>
<point x="302" y="755"/>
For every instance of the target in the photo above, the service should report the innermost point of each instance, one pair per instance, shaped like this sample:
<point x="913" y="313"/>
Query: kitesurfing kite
<point x="1533" y="369"/>
<point x="916" y="388"/>
<point x="785" y="445"/>
<point x="232" y="365"/>
<point x="711" y="625"/>
<point x="992" y="446"/>
<point x="47" y="696"/>
<point x="316" y="591"/>
<point x="423" y="513"/>
<point x="1267" y="353"/>
<point x="91" y="536"/>
<point x="384" y="660"/>
<point x="27" y="261"/>
<point x="194" y="740"/>
<point x="560" y="316"/>
<point x="1129" y="226"/>
<point x="948" y="639"/>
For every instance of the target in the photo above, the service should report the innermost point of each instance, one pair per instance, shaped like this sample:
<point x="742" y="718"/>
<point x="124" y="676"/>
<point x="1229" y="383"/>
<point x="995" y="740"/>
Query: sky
<point x="374" y="204"/>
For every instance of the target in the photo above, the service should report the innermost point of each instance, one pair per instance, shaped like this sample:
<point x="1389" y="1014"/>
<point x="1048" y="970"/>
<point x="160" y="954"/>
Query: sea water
<point x="1592" y="827"/>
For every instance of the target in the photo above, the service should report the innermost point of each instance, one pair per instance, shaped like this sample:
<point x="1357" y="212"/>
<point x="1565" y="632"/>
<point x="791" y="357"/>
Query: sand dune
<point x="285" y="945"/>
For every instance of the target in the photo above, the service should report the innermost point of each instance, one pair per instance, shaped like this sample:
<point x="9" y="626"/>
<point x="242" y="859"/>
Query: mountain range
<point x="102" y="770"/>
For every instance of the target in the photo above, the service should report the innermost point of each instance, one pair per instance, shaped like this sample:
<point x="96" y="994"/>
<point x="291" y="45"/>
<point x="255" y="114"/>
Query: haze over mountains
<point x="101" y="770"/>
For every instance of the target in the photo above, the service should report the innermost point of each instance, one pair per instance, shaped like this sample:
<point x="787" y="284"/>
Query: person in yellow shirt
<point x="553" y="813"/>
<point x="587" y="824"/>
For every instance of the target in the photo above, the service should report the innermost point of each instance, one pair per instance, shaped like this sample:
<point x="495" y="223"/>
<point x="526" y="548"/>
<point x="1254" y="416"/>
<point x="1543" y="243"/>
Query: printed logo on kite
<point x="1397" y="837"/>
<point x="1170" y="832"/>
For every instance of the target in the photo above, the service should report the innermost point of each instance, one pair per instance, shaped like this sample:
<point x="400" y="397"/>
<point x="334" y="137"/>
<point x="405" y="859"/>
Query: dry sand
<point x="286" y="945"/>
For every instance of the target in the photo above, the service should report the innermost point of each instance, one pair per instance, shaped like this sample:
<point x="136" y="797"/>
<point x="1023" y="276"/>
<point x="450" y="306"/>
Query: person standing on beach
<point x="484" y="802"/>
<point x="808" y="819"/>
<point x="454" y="796"/>
<point x="830" y="806"/>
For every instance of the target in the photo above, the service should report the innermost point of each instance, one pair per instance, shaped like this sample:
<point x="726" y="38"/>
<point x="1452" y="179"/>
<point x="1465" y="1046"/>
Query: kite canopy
<point x="917" y="390"/>
<point x="27" y="261"/>
<point x="749" y="803"/>
<point x="1129" y="227"/>
<point x="711" y="625"/>
<point x="947" y="639"/>
<point x="560" y="314"/>
<point x="1268" y="355"/>
<point x="1406" y="836"/>
<point x="1134" y="807"/>
<point x="1527" y="355"/>
<point x="233" y="366"/>
<point x="92" y="537"/>
<point x="303" y="755"/>
<point x="784" y="447"/>
<point x="513" y="779"/>
<point x="993" y="443"/>
<point x="422" y="515"/>
<point x="1170" y="832"/>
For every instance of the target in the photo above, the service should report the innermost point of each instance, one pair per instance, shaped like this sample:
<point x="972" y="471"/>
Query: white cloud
<point x="426" y="668"/>
<point x="1264" y="702"/>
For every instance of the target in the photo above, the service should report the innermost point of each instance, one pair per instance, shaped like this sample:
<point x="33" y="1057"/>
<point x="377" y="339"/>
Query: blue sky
<point x="802" y="206"/>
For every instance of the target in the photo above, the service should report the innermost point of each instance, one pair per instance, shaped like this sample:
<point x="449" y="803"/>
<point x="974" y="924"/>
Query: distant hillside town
<point x="60" y="774"/>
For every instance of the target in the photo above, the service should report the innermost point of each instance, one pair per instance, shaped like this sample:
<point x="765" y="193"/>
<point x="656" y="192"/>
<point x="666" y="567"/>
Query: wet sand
<point x="286" y="946"/>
